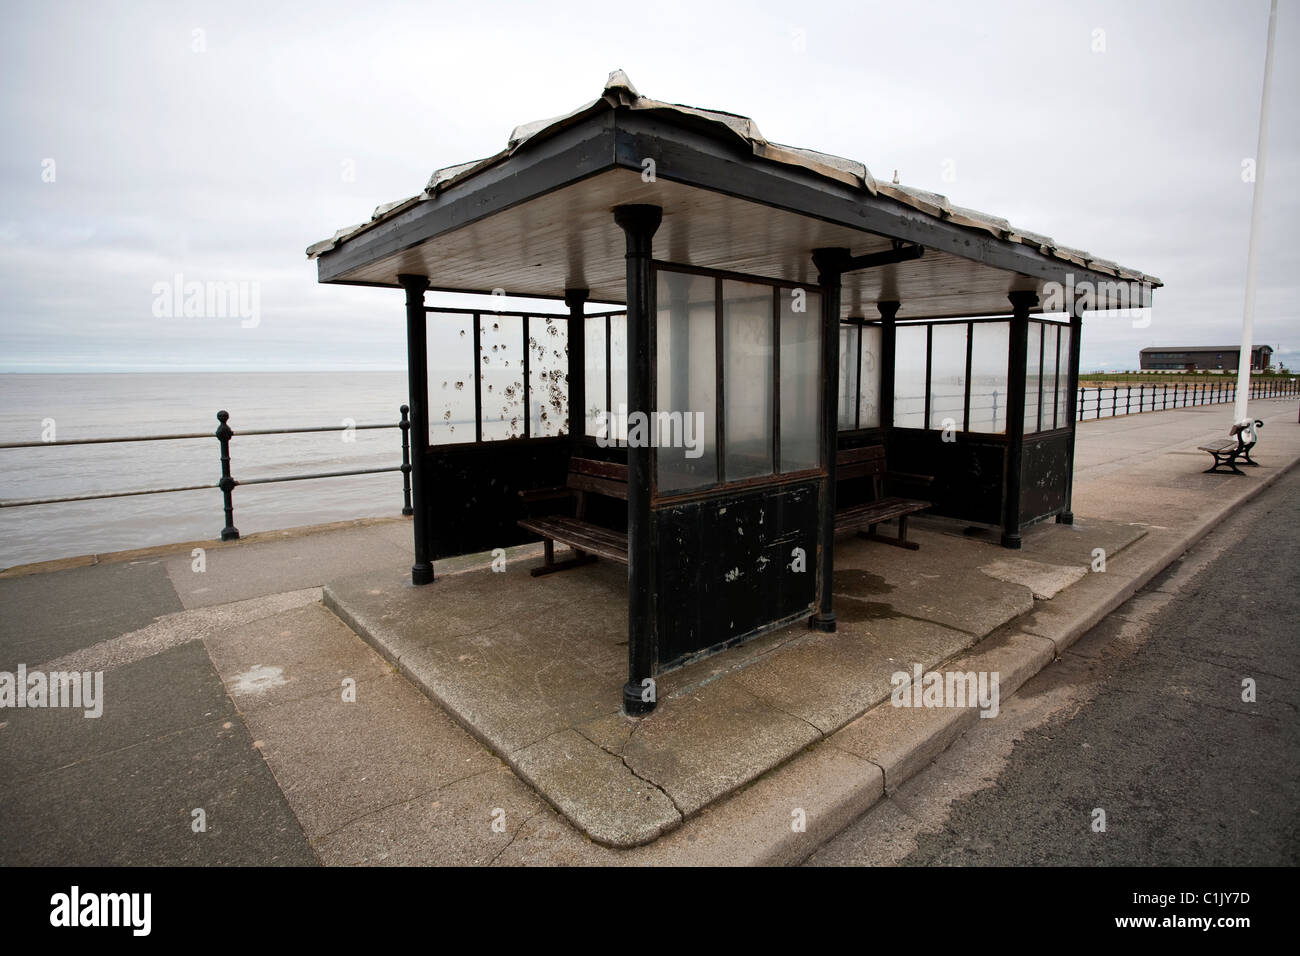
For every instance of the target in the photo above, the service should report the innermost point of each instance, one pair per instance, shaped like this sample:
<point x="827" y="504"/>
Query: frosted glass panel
<point x="948" y="376"/>
<point x="594" y="360"/>
<point x="747" y="379"/>
<point x="1049" y="377"/>
<point x="848" y="416"/>
<point x="686" y="385"/>
<point x="801" y="346"/>
<point x="1033" y="376"/>
<point x="1063" y="378"/>
<point x="618" y="377"/>
<point x="988" y="378"/>
<point x="451" y="378"/>
<point x="501" y="361"/>
<point x="909" y="377"/>
<point x="869" y="376"/>
<point x="548" y="377"/>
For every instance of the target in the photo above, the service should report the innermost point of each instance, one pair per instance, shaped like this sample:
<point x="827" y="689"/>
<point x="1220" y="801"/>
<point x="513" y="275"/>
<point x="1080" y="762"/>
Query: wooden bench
<point x="588" y="541"/>
<point x="869" y="462"/>
<point x="1229" y="451"/>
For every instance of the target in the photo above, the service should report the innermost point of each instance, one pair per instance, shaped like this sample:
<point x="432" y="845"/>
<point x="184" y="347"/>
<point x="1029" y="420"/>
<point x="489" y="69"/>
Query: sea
<point x="38" y="407"/>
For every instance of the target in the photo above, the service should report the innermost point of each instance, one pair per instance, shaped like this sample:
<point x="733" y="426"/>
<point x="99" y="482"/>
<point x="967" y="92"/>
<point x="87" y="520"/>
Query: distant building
<point x="1196" y="358"/>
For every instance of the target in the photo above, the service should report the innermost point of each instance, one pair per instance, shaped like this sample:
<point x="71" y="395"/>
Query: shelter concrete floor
<point x="534" y="667"/>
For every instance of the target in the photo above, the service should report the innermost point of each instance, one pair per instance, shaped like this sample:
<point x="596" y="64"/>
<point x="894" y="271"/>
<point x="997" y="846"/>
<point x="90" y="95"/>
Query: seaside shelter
<point x="736" y="315"/>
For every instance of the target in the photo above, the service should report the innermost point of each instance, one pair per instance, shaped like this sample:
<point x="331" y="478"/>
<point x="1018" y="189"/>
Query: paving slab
<point x="48" y="615"/>
<point x="337" y="761"/>
<point x="706" y="745"/>
<point x="160" y="695"/>
<point x="292" y="562"/>
<point x="121" y="789"/>
<point x="829" y="679"/>
<point x="471" y="822"/>
<point x="288" y="656"/>
<point x="597" y="790"/>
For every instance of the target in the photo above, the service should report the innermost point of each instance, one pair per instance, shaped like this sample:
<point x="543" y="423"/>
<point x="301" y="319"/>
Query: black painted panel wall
<point x="1043" y="472"/>
<point x="473" y="490"/>
<point x="968" y="473"/>
<point x="725" y="567"/>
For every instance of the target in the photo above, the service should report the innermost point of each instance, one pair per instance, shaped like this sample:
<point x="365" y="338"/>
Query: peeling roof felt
<point x="619" y="93"/>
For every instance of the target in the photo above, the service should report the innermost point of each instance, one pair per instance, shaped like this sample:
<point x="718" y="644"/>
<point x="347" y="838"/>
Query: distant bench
<point x="869" y="462"/>
<point x="1229" y="451"/>
<point x="587" y="540"/>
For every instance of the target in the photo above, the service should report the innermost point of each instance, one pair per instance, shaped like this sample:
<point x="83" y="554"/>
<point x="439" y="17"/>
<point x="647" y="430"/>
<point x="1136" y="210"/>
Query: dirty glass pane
<point x="1049" y="376"/>
<point x="597" y="400"/>
<point x="1063" y="378"/>
<point x="618" y="377"/>
<point x="948" y="376"/>
<point x="548" y="377"/>
<point x="988" y="377"/>
<point x="686" y="385"/>
<point x="848" y="417"/>
<point x="909" y="377"/>
<point x="501" y="361"/>
<point x="869" y="375"/>
<point x="747" y="379"/>
<point x="451" y="378"/>
<point x="801" y="359"/>
<point x="1033" y="376"/>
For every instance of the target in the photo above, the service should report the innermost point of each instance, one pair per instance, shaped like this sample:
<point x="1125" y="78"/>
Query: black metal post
<point x="888" y="349"/>
<point x="405" y="426"/>
<point x="1072" y="370"/>
<point x="417" y="372"/>
<point x="226" y="484"/>
<point x="576" y="300"/>
<point x="829" y="264"/>
<point x="639" y="223"/>
<point x="1017" y="353"/>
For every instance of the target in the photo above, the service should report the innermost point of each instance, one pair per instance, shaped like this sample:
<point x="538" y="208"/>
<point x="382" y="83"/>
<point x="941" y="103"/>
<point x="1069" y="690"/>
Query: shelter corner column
<point x="830" y="265"/>
<point x="1021" y="303"/>
<point x="576" y="300"/>
<point x="1072" y="409"/>
<point x="417" y="366"/>
<point x="639" y="223"/>
<point x="888" y="344"/>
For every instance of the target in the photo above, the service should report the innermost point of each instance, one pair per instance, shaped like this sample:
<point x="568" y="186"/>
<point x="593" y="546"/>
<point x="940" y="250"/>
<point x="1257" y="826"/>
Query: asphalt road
<point x="1144" y="719"/>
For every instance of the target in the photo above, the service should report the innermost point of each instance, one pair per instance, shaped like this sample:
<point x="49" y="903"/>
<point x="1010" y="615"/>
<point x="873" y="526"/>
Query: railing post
<point x="1128" y="398"/>
<point x="405" y="426"/>
<point x="226" y="484"/>
<point x="1114" y="401"/>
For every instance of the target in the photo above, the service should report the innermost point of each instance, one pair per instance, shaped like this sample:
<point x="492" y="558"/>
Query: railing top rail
<point x="192" y="435"/>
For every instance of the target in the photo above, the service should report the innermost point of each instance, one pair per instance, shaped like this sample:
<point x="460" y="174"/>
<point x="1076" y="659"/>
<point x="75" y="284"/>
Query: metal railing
<point x="227" y="483"/>
<point x="1102" y="401"/>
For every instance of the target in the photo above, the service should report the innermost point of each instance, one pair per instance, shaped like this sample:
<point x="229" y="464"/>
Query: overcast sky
<point x="1119" y="128"/>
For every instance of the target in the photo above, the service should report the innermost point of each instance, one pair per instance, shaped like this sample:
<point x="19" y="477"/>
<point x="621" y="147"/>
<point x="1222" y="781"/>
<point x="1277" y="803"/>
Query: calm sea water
<point x="91" y="406"/>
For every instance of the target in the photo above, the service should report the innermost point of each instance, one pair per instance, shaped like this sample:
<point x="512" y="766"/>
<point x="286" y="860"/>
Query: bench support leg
<point x="550" y="565"/>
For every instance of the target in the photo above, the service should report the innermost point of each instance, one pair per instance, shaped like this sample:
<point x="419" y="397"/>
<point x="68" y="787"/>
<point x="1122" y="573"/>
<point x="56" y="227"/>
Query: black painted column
<point x="576" y="300"/>
<point x="830" y="264"/>
<point x="639" y="224"/>
<point x="417" y="370"/>
<point x="1072" y="409"/>
<point x="888" y="350"/>
<point x="1021" y="303"/>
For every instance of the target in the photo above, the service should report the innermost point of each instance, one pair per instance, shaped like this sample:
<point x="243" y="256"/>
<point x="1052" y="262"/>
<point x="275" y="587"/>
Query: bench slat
<point x="875" y="512"/>
<point x="580" y="535"/>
